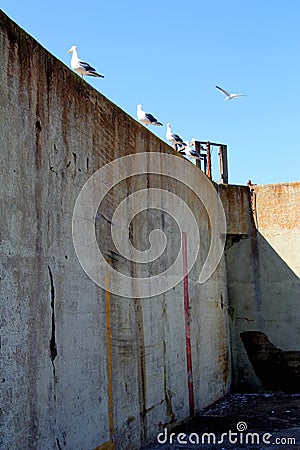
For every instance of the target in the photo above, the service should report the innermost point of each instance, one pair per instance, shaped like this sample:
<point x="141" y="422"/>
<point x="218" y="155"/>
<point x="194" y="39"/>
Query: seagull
<point x="174" y="138"/>
<point x="189" y="151"/>
<point x="146" y="118"/>
<point x="80" y="66"/>
<point x="228" y="95"/>
<point x="192" y="144"/>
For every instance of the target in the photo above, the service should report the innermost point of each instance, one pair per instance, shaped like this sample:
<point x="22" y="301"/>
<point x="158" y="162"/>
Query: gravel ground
<point x="274" y="417"/>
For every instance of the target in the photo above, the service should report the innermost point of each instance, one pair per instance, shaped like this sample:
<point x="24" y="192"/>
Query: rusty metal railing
<point x="204" y="148"/>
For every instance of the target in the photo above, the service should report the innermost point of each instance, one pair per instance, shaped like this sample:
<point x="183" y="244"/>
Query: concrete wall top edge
<point x="17" y="35"/>
<point x="25" y="43"/>
<point x="295" y="184"/>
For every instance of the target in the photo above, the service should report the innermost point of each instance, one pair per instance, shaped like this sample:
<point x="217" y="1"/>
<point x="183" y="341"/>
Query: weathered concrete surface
<point x="263" y="283"/>
<point x="236" y="203"/>
<point x="56" y="131"/>
<point x="69" y="380"/>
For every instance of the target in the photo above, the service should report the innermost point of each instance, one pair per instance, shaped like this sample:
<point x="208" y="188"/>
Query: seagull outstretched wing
<point x="223" y="91"/>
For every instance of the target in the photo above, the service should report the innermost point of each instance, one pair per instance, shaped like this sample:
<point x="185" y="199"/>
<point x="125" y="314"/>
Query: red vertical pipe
<point x="187" y="324"/>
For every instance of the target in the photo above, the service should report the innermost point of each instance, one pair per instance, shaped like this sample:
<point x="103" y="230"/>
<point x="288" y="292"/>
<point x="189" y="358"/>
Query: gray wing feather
<point x="223" y="90"/>
<point x="177" y="138"/>
<point x="86" y="66"/>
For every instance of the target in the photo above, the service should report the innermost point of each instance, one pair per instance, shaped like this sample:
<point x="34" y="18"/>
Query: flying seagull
<point x="80" y="66"/>
<point x="146" y="118"/>
<point x="174" y="138"/>
<point x="228" y="95"/>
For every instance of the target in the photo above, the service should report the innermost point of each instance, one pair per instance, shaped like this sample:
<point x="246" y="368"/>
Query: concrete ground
<point x="274" y="418"/>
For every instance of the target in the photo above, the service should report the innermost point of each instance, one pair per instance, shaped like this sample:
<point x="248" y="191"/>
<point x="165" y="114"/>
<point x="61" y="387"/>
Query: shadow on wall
<point x="277" y="370"/>
<point x="264" y="304"/>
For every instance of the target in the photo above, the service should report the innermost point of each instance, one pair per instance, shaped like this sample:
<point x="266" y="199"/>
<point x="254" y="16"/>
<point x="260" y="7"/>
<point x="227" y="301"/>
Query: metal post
<point x="198" y="150"/>
<point x="205" y="164"/>
<point x="223" y="165"/>
<point x="220" y="163"/>
<point x="208" y="172"/>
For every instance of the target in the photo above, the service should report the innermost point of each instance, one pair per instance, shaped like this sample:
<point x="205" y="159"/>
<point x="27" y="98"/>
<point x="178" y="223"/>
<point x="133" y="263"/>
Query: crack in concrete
<point x="53" y="347"/>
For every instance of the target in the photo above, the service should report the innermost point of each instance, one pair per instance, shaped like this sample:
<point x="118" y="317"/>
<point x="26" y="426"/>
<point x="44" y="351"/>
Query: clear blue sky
<point x="169" y="55"/>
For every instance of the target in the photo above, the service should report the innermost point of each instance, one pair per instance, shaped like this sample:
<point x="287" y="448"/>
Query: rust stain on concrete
<point x="278" y="205"/>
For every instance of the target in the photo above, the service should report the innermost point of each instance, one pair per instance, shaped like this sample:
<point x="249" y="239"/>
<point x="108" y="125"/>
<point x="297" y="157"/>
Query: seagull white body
<point x="174" y="138"/>
<point x="228" y="95"/>
<point x="146" y="118"/>
<point x="189" y="151"/>
<point x="81" y="67"/>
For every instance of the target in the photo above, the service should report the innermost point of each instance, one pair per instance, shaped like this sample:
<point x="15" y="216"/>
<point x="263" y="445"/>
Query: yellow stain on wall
<point x="109" y="445"/>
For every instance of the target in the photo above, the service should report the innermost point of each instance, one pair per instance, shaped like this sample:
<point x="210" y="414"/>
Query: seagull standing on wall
<point x="174" y="138"/>
<point x="189" y="151"/>
<point x="228" y="95"/>
<point x="146" y="118"/>
<point x="81" y="67"/>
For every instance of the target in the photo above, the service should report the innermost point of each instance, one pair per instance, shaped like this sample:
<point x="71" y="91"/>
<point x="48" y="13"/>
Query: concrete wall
<point x="81" y="367"/>
<point x="85" y="369"/>
<point x="263" y="269"/>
